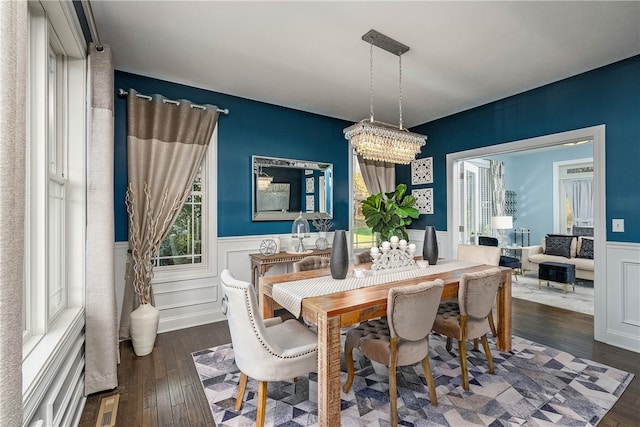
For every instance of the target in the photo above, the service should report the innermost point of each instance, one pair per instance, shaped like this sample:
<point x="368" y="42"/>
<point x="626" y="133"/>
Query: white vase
<point x="144" y="328"/>
<point x="322" y="234"/>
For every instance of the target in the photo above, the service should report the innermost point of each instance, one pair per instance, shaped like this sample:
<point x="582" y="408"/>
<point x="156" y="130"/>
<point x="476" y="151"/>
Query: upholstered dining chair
<point x="489" y="255"/>
<point x="401" y="338"/>
<point x="265" y="350"/>
<point x="313" y="262"/>
<point x="468" y="317"/>
<point x="362" y="257"/>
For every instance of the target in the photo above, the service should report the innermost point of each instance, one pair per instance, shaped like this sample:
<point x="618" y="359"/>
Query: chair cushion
<point x="509" y="261"/>
<point x="448" y="323"/>
<point x="372" y="338"/>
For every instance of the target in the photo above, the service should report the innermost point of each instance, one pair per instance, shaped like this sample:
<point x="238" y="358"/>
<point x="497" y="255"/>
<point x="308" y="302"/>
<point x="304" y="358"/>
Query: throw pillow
<point x="558" y="245"/>
<point x="586" y="248"/>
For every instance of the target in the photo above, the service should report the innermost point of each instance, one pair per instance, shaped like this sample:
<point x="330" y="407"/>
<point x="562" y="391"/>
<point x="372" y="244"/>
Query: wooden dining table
<point x="338" y="310"/>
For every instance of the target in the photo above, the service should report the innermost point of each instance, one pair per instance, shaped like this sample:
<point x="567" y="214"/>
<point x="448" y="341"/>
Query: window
<point x="55" y="216"/>
<point x="363" y="238"/>
<point x="183" y="244"/>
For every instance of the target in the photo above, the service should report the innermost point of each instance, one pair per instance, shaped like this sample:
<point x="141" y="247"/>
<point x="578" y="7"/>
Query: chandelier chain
<point x="371" y="81"/>
<point x="400" y="90"/>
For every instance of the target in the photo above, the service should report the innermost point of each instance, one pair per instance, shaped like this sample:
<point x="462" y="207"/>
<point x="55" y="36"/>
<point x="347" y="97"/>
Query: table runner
<point x="290" y="294"/>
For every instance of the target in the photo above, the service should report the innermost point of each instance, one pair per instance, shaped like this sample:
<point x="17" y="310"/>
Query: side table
<point x="260" y="264"/>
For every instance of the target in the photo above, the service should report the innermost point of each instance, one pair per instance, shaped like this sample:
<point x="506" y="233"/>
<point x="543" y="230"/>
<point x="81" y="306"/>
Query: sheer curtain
<point x="13" y="122"/>
<point x="497" y="186"/>
<point x="166" y="142"/>
<point x="101" y="338"/>
<point x="379" y="177"/>
<point x="580" y="195"/>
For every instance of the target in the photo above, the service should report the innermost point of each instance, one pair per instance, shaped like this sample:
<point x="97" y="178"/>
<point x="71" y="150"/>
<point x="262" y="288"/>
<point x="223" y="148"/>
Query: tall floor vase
<point x="144" y="328"/>
<point x="339" y="261"/>
<point x="430" y="247"/>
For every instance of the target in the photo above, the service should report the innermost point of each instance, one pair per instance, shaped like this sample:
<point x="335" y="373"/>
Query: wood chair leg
<point x="475" y="344"/>
<point x="487" y="352"/>
<point x="348" y="358"/>
<point x="242" y="386"/>
<point x="463" y="364"/>
<point x="262" y="403"/>
<point x="393" y="386"/>
<point x="428" y="374"/>
<point x="448" y="346"/>
<point x="492" y="324"/>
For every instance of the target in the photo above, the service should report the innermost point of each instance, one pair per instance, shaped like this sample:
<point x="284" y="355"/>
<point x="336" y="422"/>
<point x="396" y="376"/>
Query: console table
<point x="260" y="264"/>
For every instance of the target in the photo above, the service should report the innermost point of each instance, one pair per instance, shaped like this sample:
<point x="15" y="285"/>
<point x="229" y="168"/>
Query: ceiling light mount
<point x="384" y="42"/>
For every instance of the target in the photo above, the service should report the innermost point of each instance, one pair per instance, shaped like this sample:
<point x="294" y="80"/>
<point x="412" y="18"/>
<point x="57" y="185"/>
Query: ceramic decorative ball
<point x="322" y="243"/>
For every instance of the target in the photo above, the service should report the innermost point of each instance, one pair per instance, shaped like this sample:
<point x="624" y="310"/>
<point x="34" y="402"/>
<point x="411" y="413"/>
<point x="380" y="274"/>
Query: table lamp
<point x="501" y="223"/>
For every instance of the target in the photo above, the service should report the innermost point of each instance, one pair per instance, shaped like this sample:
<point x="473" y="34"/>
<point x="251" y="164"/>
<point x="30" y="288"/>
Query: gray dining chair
<point x="467" y="318"/>
<point x="265" y="350"/>
<point x="489" y="255"/>
<point x="313" y="262"/>
<point x="401" y="338"/>
<point x="362" y="257"/>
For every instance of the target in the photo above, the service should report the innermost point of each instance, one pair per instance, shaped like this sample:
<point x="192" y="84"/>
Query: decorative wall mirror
<point x="282" y="188"/>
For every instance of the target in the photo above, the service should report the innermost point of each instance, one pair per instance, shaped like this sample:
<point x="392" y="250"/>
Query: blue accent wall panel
<point x="251" y="128"/>
<point x="608" y="95"/>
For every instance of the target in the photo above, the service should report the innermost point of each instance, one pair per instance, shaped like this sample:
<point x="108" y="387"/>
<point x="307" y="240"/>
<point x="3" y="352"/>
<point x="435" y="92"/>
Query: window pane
<point x="183" y="244"/>
<point x="362" y="235"/>
<point x="57" y="297"/>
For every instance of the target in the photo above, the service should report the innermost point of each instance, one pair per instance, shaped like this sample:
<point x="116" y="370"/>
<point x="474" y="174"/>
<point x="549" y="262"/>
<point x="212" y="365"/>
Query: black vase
<point x="339" y="261"/>
<point x="430" y="247"/>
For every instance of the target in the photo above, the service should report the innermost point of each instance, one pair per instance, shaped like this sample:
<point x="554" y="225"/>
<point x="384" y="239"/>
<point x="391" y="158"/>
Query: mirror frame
<point x="260" y="162"/>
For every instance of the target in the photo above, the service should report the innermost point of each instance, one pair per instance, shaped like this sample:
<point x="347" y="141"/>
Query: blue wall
<point x="609" y="95"/>
<point x="530" y="175"/>
<point x="250" y="128"/>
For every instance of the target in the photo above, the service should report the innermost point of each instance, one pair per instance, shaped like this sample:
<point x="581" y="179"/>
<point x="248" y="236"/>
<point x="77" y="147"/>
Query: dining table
<point x="332" y="304"/>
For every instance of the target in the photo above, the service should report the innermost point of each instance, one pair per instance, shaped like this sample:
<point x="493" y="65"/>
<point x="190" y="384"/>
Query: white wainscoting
<point x="622" y="328"/>
<point x="194" y="302"/>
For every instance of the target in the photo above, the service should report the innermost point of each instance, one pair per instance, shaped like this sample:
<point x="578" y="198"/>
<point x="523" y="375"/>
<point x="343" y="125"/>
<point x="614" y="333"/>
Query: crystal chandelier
<point x="381" y="141"/>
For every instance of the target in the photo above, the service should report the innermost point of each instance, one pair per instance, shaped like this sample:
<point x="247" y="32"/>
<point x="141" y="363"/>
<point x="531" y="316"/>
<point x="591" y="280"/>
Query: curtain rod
<point x="93" y="29"/>
<point x="123" y="93"/>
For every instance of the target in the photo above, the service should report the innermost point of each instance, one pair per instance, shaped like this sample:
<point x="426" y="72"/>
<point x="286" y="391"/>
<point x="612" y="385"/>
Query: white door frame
<point x="597" y="134"/>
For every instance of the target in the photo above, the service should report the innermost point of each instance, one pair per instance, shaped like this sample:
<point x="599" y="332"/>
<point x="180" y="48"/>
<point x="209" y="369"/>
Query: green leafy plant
<point x="389" y="214"/>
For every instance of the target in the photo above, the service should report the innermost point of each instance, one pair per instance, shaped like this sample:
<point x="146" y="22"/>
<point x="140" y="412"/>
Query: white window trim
<point x="209" y="265"/>
<point x="557" y="208"/>
<point x="44" y="351"/>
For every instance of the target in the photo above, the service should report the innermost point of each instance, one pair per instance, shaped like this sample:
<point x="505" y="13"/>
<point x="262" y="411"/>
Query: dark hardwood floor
<point x="162" y="389"/>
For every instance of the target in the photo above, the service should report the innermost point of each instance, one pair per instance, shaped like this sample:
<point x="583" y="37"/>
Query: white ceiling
<point x="310" y="56"/>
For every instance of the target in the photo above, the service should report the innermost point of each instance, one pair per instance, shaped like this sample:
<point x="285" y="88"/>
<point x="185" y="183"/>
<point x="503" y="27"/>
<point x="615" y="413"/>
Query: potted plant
<point x="389" y="214"/>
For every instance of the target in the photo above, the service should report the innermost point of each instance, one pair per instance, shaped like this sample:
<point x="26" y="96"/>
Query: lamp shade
<point x="501" y="222"/>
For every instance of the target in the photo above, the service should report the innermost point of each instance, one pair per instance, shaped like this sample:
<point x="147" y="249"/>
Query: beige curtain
<point x="379" y="177"/>
<point x="13" y="71"/>
<point x="166" y="142"/>
<point x="101" y="338"/>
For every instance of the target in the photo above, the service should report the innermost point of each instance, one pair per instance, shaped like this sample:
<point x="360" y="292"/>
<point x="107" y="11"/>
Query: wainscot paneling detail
<point x="623" y="295"/>
<point x="57" y="398"/>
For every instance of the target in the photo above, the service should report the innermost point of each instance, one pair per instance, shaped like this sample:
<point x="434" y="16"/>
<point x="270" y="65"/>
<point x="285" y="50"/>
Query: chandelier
<point x="379" y="141"/>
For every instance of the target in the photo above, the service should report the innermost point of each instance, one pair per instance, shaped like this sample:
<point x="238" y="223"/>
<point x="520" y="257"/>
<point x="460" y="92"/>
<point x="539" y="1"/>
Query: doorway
<point x="597" y="134"/>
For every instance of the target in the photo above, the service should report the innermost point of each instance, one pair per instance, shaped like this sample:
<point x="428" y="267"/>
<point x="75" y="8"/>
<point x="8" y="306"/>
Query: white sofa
<point x="532" y="256"/>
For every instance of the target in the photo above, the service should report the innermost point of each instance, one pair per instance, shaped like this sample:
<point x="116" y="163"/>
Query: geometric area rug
<point x="534" y="385"/>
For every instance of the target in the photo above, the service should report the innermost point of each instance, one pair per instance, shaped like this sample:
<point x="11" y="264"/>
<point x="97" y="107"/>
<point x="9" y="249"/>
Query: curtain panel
<point x="13" y="140"/>
<point x="580" y="195"/>
<point x="497" y="186"/>
<point x="379" y="177"/>
<point x="101" y="337"/>
<point x="166" y="142"/>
